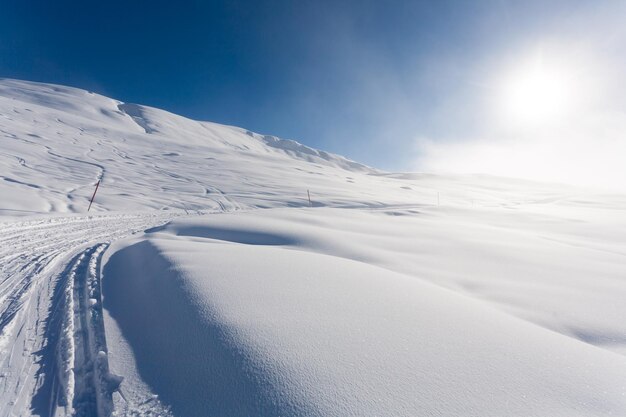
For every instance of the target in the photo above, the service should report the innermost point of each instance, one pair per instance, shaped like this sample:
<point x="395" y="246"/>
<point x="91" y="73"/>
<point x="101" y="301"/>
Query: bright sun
<point x="536" y="95"/>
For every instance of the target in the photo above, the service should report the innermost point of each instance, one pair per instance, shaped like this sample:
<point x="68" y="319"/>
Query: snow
<point x="302" y="313"/>
<point x="59" y="141"/>
<point x="524" y="263"/>
<point x="225" y="292"/>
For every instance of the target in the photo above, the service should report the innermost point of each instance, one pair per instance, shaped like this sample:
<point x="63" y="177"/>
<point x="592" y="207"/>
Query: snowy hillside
<point x="204" y="283"/>
<point x="58" y="141"/>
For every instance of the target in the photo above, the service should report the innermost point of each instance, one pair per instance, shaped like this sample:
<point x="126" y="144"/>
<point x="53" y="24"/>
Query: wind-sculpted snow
<point x="522" y="261"/>
<point x="296" y="327"/>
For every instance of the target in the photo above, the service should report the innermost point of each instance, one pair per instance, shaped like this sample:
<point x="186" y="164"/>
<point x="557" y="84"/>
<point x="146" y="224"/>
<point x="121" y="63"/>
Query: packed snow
<point x="204" y="282"/>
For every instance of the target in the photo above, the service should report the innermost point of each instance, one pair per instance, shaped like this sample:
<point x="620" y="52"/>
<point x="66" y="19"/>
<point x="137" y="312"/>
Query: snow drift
<point x="267" y="315"/>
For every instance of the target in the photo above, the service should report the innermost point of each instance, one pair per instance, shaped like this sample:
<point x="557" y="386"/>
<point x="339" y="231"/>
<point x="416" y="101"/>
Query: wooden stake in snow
<point x="94" y="195"/>
<point x="309" y="194"/>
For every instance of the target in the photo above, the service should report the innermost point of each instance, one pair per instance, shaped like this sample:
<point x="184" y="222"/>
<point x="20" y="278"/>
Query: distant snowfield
<point x="387" y="294"/>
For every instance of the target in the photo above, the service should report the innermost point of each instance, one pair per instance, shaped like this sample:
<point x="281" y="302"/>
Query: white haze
<point x="573" y="132"/>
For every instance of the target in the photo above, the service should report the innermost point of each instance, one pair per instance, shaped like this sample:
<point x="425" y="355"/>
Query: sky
<point x="532" y="89"/>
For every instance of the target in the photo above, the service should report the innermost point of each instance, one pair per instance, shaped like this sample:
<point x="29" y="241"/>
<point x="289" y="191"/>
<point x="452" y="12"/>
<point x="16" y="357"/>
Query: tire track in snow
<point x="52" y="346"/>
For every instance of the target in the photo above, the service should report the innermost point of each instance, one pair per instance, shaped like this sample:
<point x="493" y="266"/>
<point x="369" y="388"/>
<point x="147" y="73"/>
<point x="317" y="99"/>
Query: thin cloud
<point x="581" y="139"/>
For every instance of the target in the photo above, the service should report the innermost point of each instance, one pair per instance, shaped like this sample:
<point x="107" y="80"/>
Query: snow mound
<point x="265" y="314"/>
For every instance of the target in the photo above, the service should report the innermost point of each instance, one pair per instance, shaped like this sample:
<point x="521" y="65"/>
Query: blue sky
<point x="395" y="84"/>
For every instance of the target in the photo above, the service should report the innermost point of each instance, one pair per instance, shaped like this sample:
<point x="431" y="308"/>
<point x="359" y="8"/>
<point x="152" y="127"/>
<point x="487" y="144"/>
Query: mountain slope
<point x="58" y="141"/>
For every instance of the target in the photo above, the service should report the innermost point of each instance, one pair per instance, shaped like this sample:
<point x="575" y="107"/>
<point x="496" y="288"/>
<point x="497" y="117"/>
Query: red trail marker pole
<point x="94" y="195"/>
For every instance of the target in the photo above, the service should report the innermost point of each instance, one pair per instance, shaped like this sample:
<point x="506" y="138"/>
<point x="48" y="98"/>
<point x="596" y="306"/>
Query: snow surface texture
<point x="285" y="313"/>
<point x="394" y="294"/>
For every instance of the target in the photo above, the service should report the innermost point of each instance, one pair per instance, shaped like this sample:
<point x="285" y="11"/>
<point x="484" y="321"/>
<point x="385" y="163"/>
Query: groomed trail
<point x="51" y="316"/>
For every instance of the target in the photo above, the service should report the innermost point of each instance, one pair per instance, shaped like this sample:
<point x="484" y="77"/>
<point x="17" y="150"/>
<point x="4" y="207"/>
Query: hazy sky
<point x="524" y="88"/>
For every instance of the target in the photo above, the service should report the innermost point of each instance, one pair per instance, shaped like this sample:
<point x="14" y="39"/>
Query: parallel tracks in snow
<point x="52" y="347"/>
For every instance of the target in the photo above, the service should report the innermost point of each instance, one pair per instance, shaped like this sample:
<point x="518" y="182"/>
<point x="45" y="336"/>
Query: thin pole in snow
<point x="94" y="195"/>
<point x="309" y="195"/>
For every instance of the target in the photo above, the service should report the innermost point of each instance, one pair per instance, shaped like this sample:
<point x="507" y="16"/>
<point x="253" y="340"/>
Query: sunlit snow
<point x="204" y="282"/>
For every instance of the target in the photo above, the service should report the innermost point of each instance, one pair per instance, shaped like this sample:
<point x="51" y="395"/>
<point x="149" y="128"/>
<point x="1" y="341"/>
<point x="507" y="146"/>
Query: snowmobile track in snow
<point x="53" y="356"/>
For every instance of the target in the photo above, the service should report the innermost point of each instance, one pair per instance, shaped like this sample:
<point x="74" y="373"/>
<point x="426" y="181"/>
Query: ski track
<point x="53" y="358"/>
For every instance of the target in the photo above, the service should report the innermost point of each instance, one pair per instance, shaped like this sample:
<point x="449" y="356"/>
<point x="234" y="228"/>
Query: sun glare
<point x="536" y="95"/>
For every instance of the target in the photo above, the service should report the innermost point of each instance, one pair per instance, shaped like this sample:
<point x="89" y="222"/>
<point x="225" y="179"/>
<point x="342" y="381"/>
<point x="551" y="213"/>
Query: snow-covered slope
<point x="58" y="141"/>
<point x="394" y="294"/>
